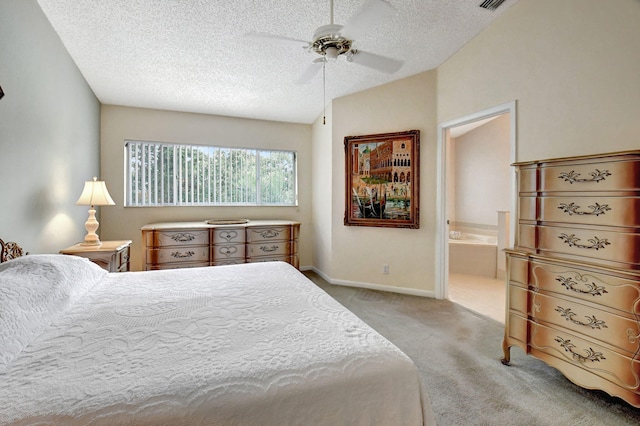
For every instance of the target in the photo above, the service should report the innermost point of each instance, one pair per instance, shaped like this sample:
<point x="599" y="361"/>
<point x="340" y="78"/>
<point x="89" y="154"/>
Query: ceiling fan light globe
<point x="331" y="53"/>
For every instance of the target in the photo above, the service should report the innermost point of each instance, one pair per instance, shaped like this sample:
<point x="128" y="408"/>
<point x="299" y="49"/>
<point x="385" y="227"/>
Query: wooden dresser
<point x="190" y="244"/>
<point x="573" y="297"/>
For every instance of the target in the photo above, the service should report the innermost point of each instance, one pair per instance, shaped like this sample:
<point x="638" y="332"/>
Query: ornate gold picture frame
<point x="382" y="180"/>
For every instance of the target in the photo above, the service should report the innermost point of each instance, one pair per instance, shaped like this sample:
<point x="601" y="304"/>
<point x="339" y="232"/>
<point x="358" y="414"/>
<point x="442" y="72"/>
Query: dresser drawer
<point x="596" y="359"/>
<point x="178" y="255"/>
<point x="590" y="175"/>
<point x="528" y="179"/>
<point x="611" y="211"/>
<point x="586" y="284"/>
<point x="269" y="248"/>
<point x="122" y="260"/>
<point x="518" y="300"/>
<point x="228" y="235"/>
<point x="601" y="246"/>
<point x="283" y="258"/>
<point x="179" y="265"/>
<point x="615" y="330"/>
<point x="271" y="233"/>
<point x="226" y="251"/>
<point x="518" y="270"/>
<point x="182" y="237"/>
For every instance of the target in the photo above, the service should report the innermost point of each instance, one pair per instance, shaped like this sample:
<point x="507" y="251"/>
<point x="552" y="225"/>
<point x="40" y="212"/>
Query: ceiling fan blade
<point x="368" y="18"/>
<point x="377" y="62"/>
<point x="311" y="71"/>
<point x="276" y="38"/>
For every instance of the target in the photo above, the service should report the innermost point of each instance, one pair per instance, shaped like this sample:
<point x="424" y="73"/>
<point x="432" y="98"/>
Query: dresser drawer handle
<point x="596" y="176"/>
<point x="592" y="355"/>
<point x="596" y="209"/>
<point x="179" y="255"/>
<point x="592" y="288"/>
<point x="266" y="249"/>
<point x="228" y="251"/>
<point x="183" y="237"/>
<point x="229" y="235"/>
<point x="269" y="233"/>
<point x="593" y="322"/>
<point x="596" y="243"/>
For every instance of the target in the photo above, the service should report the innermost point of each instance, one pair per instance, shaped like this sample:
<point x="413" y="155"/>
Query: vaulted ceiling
<point x="195" y="55"/>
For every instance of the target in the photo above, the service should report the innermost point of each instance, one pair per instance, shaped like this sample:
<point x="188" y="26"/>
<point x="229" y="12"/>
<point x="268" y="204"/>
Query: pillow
<point x="34" y="291"/>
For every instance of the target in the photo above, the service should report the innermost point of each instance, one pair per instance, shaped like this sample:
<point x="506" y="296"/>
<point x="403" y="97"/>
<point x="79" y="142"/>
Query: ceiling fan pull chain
<point x="324" y="93"/>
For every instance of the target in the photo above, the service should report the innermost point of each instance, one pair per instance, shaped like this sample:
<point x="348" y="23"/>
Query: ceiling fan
<point x="334" y="41"/>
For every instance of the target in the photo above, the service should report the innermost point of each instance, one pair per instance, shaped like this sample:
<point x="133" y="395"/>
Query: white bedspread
<point x="254" y="344"/>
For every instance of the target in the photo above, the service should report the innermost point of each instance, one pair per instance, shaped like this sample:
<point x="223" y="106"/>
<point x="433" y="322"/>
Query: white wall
<point x="121" y="123"/>
<point x="482" y="173"/>
<point x="358" y="253"/>
<point x="49" y="130"/>
<point x="571" y="65"/>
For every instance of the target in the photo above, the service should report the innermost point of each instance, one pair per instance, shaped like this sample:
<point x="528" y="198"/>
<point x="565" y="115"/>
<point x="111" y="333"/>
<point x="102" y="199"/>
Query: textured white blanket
<point x="254" y="344"/>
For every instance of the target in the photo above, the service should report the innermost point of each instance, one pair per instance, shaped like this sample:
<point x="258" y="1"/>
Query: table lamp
<point x="94" y="194"/>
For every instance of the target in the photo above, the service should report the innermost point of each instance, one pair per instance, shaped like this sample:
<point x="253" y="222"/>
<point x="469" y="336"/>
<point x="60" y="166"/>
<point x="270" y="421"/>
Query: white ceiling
<point x="194" y="56"/>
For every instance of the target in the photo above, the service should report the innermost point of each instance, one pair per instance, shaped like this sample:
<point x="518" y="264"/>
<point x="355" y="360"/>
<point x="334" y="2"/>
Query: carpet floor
<point x="458" y="354"/>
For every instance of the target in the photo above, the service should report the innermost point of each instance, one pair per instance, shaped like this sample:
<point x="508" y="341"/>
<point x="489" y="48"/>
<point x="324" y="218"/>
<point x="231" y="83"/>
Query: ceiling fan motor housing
<point x="329" y="36"/>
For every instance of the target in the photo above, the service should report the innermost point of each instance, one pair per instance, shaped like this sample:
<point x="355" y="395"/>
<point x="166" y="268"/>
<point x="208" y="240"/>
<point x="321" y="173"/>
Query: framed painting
<point x="382" y="180"/>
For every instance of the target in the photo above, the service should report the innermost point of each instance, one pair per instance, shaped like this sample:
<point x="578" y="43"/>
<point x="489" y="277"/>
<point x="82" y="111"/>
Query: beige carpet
<point x="458" y="353"/>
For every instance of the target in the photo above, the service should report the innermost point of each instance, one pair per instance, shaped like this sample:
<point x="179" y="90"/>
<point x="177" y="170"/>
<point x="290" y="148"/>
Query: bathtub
<point x="473" y="254"/>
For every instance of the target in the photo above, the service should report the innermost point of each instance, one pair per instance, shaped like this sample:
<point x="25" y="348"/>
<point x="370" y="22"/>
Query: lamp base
<point x="91" y="225"/>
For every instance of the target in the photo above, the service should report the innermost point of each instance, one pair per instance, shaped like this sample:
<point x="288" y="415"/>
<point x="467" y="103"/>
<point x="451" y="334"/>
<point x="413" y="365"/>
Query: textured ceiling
<point x="194" y="56"/>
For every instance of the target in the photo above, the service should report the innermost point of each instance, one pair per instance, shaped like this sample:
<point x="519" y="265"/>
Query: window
<point x="163" y="174"/>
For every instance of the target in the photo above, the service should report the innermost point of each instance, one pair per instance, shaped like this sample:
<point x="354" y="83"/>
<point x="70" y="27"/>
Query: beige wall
<point x="358" y="253"/>
<point x="49" y="133"/>
<point x="571" y="65"/>
<point x="121" y="123"/>
<point x="321" y="179"/>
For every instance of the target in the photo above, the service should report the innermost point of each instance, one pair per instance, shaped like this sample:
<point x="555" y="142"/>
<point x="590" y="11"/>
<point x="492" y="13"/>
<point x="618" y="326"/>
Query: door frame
<point x="442" y="226"/>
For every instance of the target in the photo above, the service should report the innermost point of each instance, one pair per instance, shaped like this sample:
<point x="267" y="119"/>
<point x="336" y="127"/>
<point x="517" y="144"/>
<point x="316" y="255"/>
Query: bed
<point x="252" y="344"/>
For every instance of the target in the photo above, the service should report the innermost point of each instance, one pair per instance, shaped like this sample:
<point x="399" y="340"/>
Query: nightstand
<point x="110" y="255"/>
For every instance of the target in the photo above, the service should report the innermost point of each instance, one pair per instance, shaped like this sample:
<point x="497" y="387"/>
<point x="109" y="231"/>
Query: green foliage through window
<point x="162" y="174"/>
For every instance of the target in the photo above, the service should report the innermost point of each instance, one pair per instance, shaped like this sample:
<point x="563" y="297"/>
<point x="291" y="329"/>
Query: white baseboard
<point x="370" y="286"/>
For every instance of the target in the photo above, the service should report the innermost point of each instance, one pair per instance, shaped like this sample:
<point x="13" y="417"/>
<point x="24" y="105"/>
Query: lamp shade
<point x="95" y="194"/>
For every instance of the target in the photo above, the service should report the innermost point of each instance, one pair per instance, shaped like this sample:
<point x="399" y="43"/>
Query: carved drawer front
<point x="232" y="261"/>
<point x="518" y="300"/>
<point x="271" y="233"/>
<point x="527" y="238"/>
<point x="527" y="179"/>
<point x="228" y="235"/>
<point x="178" y="255"/>
<point x="178" y="237"/>
<point x="587" y="355"/>
<point x="285" y="258"/>
<point x="268" y="248"/>
<point x="597" y="324"/>
<point x="176" y="265"/>
<point x="518" y="329"/>
<point x="527" y="210"/>
<point x="599" y="246"/>
<point x="591" y="176"/>
<point x="224" y="251"/>
<point x="588" y="285"/>
<point x="612" y="211"/>
<point x="518" y="270"/>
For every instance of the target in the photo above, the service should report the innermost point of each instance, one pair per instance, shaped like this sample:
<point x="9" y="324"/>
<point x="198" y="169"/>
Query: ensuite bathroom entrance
<point x="478" y="185"/>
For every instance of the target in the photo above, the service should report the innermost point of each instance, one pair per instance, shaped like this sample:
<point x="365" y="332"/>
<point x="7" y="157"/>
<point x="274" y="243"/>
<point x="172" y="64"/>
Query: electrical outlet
<point x="385" y="269"/>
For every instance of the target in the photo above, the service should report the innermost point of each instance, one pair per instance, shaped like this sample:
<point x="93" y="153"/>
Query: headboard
<point x="9" y="251"/>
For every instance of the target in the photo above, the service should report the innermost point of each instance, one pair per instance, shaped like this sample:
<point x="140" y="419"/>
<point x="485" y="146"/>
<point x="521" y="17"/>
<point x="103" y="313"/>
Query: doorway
<point x="475" y="203"/>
